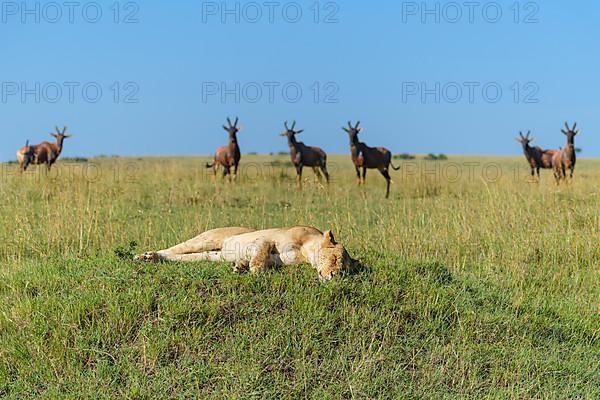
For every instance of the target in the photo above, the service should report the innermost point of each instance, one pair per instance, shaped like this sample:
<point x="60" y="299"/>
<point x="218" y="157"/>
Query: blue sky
<point x="366" y="66"/>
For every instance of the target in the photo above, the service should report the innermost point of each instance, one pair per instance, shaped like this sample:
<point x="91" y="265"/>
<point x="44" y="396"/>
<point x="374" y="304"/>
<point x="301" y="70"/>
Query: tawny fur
<point x="253" y="250"/>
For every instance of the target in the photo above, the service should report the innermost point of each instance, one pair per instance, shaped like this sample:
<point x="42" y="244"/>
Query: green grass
<point x="472" y="288"/>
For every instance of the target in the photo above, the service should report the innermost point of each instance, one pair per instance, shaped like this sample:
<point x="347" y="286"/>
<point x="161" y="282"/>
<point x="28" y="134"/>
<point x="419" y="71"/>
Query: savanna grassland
<point x="482" y="285"/>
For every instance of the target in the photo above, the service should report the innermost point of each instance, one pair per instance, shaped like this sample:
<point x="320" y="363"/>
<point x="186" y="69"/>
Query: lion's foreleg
<point x="260" y="257"/>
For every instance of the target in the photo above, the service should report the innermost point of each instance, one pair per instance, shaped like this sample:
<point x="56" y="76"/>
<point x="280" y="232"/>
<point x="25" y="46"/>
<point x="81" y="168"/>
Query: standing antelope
<point x="25" y="156"/>
<point x="228" y="156"/>
<point x="536" y="156"/>
<point x="564" y="159"/>
<point x="305" y="156"/>
<point x="366" y="157"/>
<point x="43" y="153"/>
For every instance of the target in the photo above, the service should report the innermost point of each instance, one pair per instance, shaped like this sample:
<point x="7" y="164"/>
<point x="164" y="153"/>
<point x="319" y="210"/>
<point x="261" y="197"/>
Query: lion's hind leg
<point x="209" y="241"/>
<point x="214" y="256"/>
<point x="197" y="247"/>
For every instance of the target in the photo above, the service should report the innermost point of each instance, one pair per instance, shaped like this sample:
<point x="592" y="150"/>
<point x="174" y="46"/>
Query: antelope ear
<point x="53" y="135"/>
<point x="563" y="131"/>
<point x="224" y="127"/>
<point x="68" y="136"/>
<point x="283" y="134"/>
<point x="360" y="130"/>
<point x="328" y="239"/>
<point x="300" y="131"/>
<point x="345" y="129"/>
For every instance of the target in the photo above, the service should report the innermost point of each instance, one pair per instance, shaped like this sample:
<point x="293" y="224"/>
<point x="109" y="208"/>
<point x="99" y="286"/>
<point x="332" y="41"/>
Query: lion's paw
<point x="240" y="267"/>
<point x="150" y="257"/>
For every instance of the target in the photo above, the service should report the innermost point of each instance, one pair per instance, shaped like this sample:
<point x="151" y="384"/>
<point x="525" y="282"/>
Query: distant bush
<point x="106" y="156"/>
<point x="277" y="163"/>
<point x="283" y="153"/>
<point x="578" y="150"/>
<point x="74" y="159"/>
<point x="253" y="153"/>
<point x="404" y="156"/>
<point x="433" y="157"/>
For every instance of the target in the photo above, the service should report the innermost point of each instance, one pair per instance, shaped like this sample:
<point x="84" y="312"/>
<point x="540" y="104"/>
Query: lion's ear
<point x="328" y="239"/>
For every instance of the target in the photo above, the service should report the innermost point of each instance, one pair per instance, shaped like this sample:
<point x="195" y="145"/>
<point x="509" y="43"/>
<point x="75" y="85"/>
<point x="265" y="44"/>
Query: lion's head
<point x="333" y="258"/>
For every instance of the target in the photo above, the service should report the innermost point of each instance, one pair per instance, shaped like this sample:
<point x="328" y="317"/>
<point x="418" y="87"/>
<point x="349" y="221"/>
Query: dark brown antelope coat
<point x="43" y="153"/>
<point x="228" y="156"/>
<point x="305" y="156"/>
<point x="366" y="157"/>
<point x="537" y="158"/>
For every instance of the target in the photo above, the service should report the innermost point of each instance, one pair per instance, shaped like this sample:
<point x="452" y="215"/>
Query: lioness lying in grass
<point x="259" y="250"/>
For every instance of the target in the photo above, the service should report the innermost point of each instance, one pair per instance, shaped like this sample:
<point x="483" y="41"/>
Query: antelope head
<point x="570" y="133"/>
<point x="524" y="140"/>
<point x="60" y="136"/>
<point x="232" y="129"/>
<point x="353" y="131"/>
<point x="291" y="133"/>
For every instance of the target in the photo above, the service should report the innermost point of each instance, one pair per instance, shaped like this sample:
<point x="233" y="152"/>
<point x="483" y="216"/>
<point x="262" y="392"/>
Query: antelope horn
<point x="236" y="122"/>
<point x="286" y="126"/>
<point x="27" y="143"/>
<point x="574" y="126"/>
<point x="229" y="122"/>
<point x="64" y="130"/>
<point x="357" y="124"/>
<point x="293" y="125"/>
<point x="567" y="125"/>
<point x="350" y="124"/>
<point x="528" y="133"/>
<point x="57" y="130"/>
<point x="521" y="134"/>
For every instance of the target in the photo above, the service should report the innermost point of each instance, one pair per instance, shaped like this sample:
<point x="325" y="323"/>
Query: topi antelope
<point x="536" y="156"/>
<point x="228" y="156"/>
<point x="564" y="159"/>
<point x="43" y="153"/>
<point x="25" y="156"/>
<point x="305" y="156"/>
<point x="366" y="157"/>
